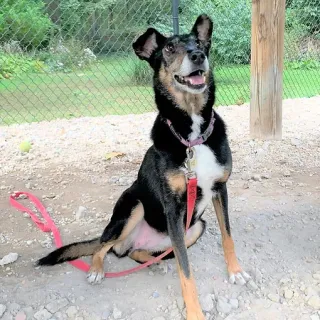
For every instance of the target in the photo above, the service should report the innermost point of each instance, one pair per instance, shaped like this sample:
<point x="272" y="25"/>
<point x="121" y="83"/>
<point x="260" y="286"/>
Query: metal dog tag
<point x="191" y="160"/>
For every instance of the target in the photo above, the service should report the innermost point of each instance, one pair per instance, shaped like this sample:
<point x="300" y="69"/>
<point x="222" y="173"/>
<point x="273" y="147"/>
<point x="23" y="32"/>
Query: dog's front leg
<point x="220" y="203"/>
<point x="188" y="285"/>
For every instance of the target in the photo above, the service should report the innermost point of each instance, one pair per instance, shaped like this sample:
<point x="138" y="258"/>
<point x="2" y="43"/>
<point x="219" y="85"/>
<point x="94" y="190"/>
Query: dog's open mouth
<point x="196" y="79"/>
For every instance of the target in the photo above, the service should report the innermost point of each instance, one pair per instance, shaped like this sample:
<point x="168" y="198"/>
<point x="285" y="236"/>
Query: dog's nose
<point x="197" y="57"/>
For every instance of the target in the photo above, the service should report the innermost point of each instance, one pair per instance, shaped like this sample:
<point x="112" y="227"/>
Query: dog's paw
<point x="239" y="278"/>
<point x="95" y="277"/>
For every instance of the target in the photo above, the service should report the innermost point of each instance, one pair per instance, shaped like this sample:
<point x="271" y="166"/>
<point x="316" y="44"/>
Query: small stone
<point x="117" y="314"/>
<point x="3" y="309"/>
<point x="273" y="297"/>
<point x="9" y="258"/>
<point x="256" y="177"/>
<point x="105" y="315"/>
<point x="314" y="317"/>
<point x="14" y="308"/>
<point x="223" y="306"/>
<point x="56" y="305"/>
<point x="288" y="294"/>
<point x="316" y="276"/>
<point x="314" y="302"/>
<point x="286" y="173"/>
<point x="206" y="302"/>
<point x="81" y="212"/>
<point x="71" y="312"/>
<point x="234" y="303"/>
<point x="155" y="294"/>
<point x="20" y="316"/>
<point x="43" y="314"/>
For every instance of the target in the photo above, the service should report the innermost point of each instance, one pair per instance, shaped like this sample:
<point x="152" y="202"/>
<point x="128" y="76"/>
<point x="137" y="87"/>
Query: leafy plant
<point x="15" y="64"/>
<point x="24" y="21"/>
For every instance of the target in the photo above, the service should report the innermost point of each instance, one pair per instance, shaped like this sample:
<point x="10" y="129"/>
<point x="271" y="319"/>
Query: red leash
<point x="49" y="225"/>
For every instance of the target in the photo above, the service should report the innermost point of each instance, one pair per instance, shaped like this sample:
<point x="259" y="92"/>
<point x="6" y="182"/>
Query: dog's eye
<point x="169" y="47"/>
<point x="198" y="43"/>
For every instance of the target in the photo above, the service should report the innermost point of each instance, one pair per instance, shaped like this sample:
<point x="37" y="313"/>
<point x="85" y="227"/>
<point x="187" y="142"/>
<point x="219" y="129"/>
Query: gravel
<point x="274" y="196"/>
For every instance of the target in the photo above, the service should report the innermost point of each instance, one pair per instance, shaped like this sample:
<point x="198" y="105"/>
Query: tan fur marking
<point x="225" y="177"/>
<point x="233" y="265"/>
<point x="83" y="249"/>
<point x="177" y="181"/>
<point x="98" y="257"/>
<point x="190" y="296"/>
<point x="191" y="103"/>
<point x="197" y="233"/>
<point x="141" y="255"/>
<point x="136" y="216"/>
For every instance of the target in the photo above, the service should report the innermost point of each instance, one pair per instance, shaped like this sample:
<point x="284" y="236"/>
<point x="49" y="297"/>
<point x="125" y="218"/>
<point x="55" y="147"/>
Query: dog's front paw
<point x="95" y="277"/>
<point x="240" y="277"/>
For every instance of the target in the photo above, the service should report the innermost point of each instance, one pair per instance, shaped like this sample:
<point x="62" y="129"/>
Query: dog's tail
<point x="70" y="252"/>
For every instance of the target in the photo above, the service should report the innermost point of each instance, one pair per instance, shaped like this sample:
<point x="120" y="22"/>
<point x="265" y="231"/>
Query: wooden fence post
<point x="267" y="49"/>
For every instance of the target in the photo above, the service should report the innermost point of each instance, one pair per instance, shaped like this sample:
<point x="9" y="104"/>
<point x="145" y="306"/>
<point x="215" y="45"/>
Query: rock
<point x="234" y="303"/>
<point x="14" y="308"/>
<point x="286" y="173"/>
<point x="117" y="314"/>
<point x="314" y="317"/>
<point x="81" y="212"/>
<point x="206" y="302"/>
<point x="43" y="314"/>
<point x="71" y="312"/>
<point x="9" y="258"/>
<point x="3" y="309"/>
<point x="56" y="305"/>
<point x="155" y="294"/>
<point x="314" y="302"/>
<point x="223" y="306"/>
<point x="316" y="276"/>
<point x="288" y="294"/>
<point x="251" y="284"/>
<point x="256" y="177"/>
<point x="20" y="316"/>
<point x="273" y="297"/>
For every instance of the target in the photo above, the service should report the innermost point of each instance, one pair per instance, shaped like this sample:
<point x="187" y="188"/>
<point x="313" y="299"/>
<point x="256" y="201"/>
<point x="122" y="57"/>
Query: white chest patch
<point x="207" y="168"/>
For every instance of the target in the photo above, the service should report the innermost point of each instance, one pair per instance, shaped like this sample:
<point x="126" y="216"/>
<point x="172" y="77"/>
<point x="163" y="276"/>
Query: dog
<point x="150" y="215"/>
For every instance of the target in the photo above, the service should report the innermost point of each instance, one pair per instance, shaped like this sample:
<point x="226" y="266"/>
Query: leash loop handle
<point x="49" y="225"/>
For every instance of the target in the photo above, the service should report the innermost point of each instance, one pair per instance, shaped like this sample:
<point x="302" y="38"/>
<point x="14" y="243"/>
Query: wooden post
<point x="268" y="17"/>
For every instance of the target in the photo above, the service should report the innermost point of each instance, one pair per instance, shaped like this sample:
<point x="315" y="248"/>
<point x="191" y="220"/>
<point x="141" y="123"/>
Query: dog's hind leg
<point x="128" y="212"/>
<point x="220" y="203"/>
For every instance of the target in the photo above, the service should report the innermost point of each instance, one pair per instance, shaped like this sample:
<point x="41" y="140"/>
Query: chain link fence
<point x="73" y="58"/>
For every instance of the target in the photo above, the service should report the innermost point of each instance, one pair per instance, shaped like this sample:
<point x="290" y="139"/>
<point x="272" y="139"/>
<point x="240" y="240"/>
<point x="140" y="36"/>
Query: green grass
<point x="107" y="89"/>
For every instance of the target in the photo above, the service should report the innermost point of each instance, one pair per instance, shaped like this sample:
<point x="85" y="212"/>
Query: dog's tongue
<point x="196" y="79"/>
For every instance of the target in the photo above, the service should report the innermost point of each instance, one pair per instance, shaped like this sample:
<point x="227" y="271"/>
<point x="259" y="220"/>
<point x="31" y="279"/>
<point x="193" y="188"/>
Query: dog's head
<point x="180" y="62"/>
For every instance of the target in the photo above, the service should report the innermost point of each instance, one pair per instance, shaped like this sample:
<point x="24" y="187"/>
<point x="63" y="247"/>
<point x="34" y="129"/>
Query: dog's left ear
<point x="202" y="29"/>
<point x="148" y="43"/>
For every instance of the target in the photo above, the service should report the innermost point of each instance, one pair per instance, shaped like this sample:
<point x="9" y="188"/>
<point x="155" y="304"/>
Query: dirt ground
<point x="274" y="196"/>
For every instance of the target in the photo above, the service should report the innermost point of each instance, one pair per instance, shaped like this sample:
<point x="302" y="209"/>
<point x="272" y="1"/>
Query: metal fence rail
<point x="72" y="58"/>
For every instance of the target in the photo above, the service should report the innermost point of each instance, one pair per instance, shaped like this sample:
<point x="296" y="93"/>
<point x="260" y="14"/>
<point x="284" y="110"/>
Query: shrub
<point x="15" y="64"/>
<point x="24" y="21"/>
<point x="142" y="73"/>
<point x="67" y="55"/>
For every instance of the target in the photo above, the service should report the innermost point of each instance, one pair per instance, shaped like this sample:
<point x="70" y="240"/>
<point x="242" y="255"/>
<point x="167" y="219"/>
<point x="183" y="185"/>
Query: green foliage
<point x="24" y="21"/>
<point x="15" y="64"/>
<point x="232" y="27"/>
<point x="307" y="14"/>
<point x="142" y="73"/>
<point x="307" y="64"/>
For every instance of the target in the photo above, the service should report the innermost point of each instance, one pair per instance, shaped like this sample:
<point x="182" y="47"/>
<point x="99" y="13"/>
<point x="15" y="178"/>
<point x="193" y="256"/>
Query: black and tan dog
<point x="150" y="216"/>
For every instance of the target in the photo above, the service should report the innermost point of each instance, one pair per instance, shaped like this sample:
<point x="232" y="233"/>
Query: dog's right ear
<point x="148" y="43"/>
